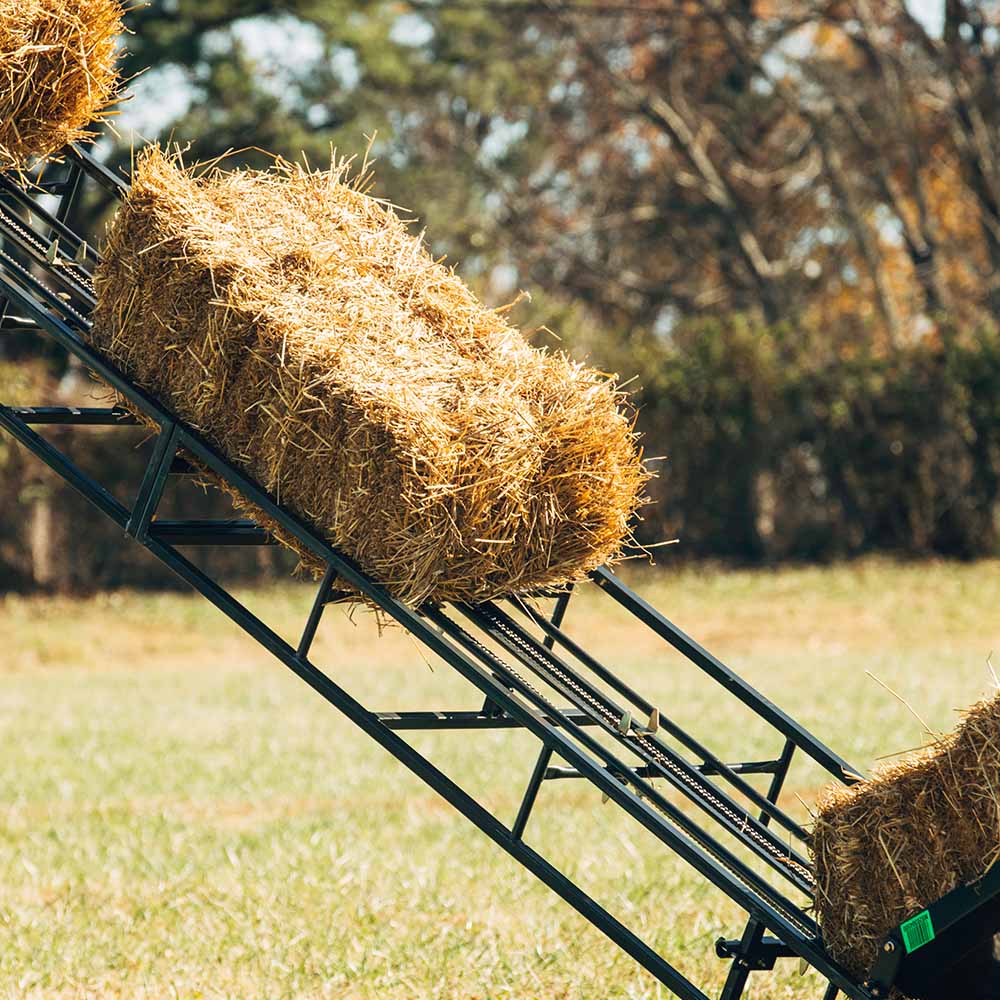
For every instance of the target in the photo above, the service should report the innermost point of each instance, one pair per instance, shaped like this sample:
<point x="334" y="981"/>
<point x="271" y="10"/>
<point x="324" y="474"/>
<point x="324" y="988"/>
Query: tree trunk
<point x="40" y="541"/>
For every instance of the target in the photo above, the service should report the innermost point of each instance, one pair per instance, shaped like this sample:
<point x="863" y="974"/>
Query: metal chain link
<point x="30" y="236"/>
<point x="652" y="749"/>
<point x="63" y="305"/>
<point x="612" y="720"/>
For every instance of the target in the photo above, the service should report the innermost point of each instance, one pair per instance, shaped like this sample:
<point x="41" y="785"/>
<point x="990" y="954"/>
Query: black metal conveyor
<point x="530" y="672"/>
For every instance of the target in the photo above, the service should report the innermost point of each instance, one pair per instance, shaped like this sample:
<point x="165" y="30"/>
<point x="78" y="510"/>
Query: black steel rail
<point x="91" y="416"/>
<point x="664" y="762"/>
<point x="553" y="635"/>
<point x="729" y="680"/>
<point x="649" y="747"/>
<point x="721" y="828"/>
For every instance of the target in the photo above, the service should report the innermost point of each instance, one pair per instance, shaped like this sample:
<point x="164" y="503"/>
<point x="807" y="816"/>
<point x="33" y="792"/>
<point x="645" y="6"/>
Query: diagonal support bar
<point x="316" y="614"/>
<point x="753" y="952"/>
<point x="711" y="763"/>
<point x="153" y="481"/>
<point x="369" y="722"/>
<point x="558" y="614"/>
<point x="531" y="792"/>
<point x="718" y="671"/>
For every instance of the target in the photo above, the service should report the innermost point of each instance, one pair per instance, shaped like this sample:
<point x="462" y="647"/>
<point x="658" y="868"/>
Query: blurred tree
<point x="647" y="176"/>
<point x="295" y="77"/>
<point x="809" y="160"/>
<point x="833" y="162"/>
<point x="252" y="75"/>
<point x="961" y="83"/>
<point x="804" y="194"/>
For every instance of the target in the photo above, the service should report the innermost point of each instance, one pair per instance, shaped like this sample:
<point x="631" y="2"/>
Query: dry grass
<point x="296" y="323"/>
<point x="57" y="73"/>
<point x="921" y="827"/>
<point x="180" y="817"/>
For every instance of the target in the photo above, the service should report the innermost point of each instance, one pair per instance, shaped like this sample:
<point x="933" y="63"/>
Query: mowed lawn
<point x="182" y="817"/>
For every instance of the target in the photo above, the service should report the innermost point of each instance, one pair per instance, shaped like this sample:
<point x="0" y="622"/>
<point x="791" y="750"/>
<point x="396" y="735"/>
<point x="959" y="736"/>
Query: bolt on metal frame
<point x="531" y="673"/>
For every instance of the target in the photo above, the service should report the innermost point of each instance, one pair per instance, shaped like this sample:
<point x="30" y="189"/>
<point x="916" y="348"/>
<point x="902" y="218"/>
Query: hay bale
<point x="295" y="322"/>
<point x="886" y="848"/>
<point x="57" y="73"/>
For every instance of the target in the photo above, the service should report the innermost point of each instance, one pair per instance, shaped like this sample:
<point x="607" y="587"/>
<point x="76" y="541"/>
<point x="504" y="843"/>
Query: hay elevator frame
<point x="524" y="664"/>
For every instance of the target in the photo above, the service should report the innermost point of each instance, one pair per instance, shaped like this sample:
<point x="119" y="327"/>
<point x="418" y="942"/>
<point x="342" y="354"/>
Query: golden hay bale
<point x="57" y="73"/>
<point x="884" y="849"/>
<point x="295" y="322"/>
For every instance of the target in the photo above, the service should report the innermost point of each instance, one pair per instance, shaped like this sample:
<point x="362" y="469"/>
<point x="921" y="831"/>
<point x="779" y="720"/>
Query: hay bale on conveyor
<point x="297" y="324"/>
<point x="887" y="848"/>
<point x="57" y="73"/>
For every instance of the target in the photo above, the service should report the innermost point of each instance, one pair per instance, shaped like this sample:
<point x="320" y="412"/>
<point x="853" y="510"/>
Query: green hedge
<point x="780" y="445"/>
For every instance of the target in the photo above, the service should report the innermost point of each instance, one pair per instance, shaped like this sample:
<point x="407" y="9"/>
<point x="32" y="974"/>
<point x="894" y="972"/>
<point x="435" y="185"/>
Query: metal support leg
<point x="309" y="632"/>
<point x="155" y="478"/>
<point x="751" y="953"/>
<point x="531" y="792"/>
<point x="68" y="194"/>
<point x="558" y="614"/>
<point x="31" y="280"/>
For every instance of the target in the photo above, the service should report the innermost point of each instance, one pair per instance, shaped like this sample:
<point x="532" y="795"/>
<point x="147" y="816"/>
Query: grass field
<point x="181" y="817"/>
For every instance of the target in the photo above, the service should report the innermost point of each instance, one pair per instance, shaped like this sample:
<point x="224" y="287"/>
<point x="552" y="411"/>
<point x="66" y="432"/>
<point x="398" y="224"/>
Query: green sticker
<point x="917" y="932"/>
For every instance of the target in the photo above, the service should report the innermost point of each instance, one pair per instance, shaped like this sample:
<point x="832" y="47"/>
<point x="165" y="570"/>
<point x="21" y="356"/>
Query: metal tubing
<point x="560" y="731"/>
<point x="440" y="782"/>
<point x="91" y="416"/>
<point x="71" y="239"/>
<point x="409" y="619"/>
<point x="464" y="720"/>
<point x="309" y="632"/>
<point x="531" y="792"/>
<point x="702" y="851"/>
<point x="235" y="532"/>
<point x="67" y="337"/>
<point x="46" y="294"/>
<point x="70" y="188"/>
<point x="58" y="462"/>
<point x="153" y="481"/>
<point x="778" y="781"/>
<point x="689" y="782"/>
<point x="750" y="945"/>
<point x="719" y="767"/>
<point x="716" y="669"/>
<point x="687" y="850"/>
<point x="68" y="274"/>
<point x="747" y="767"/>
<point x="98" y="171"/>
<point x="558" y="614"/>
